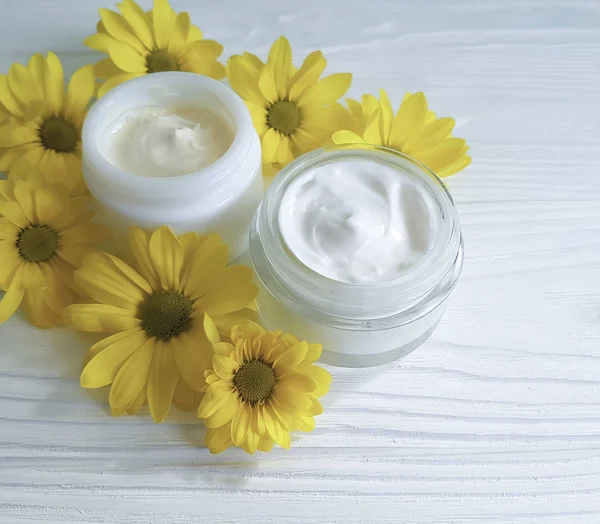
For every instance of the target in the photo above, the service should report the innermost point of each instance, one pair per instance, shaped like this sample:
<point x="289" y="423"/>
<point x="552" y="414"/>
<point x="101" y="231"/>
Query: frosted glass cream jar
<point x="221" y="197"/>
<point x="363" y="324"/>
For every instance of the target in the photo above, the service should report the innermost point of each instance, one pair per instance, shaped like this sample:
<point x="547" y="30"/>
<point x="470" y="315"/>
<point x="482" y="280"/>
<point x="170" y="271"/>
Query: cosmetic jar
<point x="219" y="198"/>
<point x="364" y="324"/>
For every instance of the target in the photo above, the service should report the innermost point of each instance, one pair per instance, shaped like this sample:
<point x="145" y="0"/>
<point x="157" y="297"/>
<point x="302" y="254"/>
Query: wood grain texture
<point x="496" y="419"/>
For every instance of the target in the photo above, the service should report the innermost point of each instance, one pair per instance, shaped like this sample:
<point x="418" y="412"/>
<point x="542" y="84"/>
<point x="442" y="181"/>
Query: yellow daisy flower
<point x="139" y="43"/>
<point x="44" y="235"/>
<point x="414" y="130"/>
<point x="160" y="312"/>
<point x="260" y="388"/>
<point x="42" y="125"/>
<point x="293" y="110"/>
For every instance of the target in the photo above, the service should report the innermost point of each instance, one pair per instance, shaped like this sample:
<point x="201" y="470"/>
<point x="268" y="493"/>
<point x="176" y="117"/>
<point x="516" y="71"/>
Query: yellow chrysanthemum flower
<point x="161" y="313"/>
<point x="293" y="110"/>
<point x="413" y="130"/>
<point x="260" y="388"/>
<point x="42" y="124"/>
<point x="44" y="235"/>
<point x="139" y="43"/>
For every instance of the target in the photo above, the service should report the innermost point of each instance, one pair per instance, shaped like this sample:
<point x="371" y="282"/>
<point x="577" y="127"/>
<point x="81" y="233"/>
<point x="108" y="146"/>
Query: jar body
<point x="345" y="347"/>
<point x="358" y="325"/>
<point x="220" y="198"/>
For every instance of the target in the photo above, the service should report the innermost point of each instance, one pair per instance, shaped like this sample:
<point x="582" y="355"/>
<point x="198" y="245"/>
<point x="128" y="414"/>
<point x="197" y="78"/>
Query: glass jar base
<point x="347" y="360"/>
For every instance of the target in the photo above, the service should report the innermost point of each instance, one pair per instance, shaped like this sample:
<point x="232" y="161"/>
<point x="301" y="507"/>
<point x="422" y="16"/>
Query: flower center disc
<point x="37" y="243"/>
<point x="59" y="134"/>
<point x="284" y="117"/>
<point x="254" y="381"/>
<point x="161" y="60"/>
<point x="165" y="314"/>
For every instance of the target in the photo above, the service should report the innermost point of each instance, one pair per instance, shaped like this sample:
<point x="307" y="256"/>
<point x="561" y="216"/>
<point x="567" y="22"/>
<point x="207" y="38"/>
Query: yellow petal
<point x="409" y="119"/>
<point x="166" y="254"/>
<point x="266" y="84"/>
<point x="8" y="99"/>
<point x="137" y="403"/>
<point x="227" y="298"/>
<point x="140" y="248"/>
<point x="326" y="91"/>
<point x="101" y="318"/>
<point x="313" y="353"/>
<point x="321" y="377"/>
<point x="443" y="154"/>
<point x="271" y="420"/>
<point x="293" y="400"/>
<point x="138" y="22"/>
<point x="127" y="59"/>
<point x="216" y="395"/>
<point x="183" y="24"/>
<point x="132" y="377"/>
<point x="372" y="134"/>
<point x="114" y="81"/>
<point x="265" y="444"/>
<point x="23" y="85"/>
<point x="33" y="277"/>
<point x="306" y="424"/>
<point x="13" y="297"/>
<point x="16" y="134"/>
<point x="84" y="233"/>
<point x="25" y="196"/>
<point x="293" y="356"/>
<point x="224" y="414"/>
<point x="185" y="397"/>
<point x="223" y="348"/>
<point x="105" y="68"/>
<point x="347" y="137"/>
<point x="109" y="341"/>
<point x="387" y="116"/>
<point x="241" y="423"/>
<point x="79" y="93"/>
<point x="209" y="47"/>
<point x="14" y="213"/>
<point x="259" y="117"/>
<point x="298" y="382"/>
<point x="253" y="61"/>
<point x="100" y="42"/>
<point x="455" y="167"/>
<point x="162" y="381"/>
<point x="433" y="133"/>
<point x="163" y="21"/>
<point x="203" y="65"/>
<point x="55" y="82"/>
<point x="119" y="29"/>
<point x="244" y="77"/>
<point x="270" y="144"/>
<point x="104" y="366"/>
<point x="280" y="60"/>
<point x="193" y="355"/>
<point x="308" y="75"/>
<point x="36" y="68"/>
<point x="218" y="439"/>
<point x="225" y="367"/>
<point x="206" y="266"/>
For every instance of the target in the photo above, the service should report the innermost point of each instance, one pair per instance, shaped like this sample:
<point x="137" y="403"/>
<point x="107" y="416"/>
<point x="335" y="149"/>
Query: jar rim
<point x="334" y="302"/>
<point x="168" y="82"/>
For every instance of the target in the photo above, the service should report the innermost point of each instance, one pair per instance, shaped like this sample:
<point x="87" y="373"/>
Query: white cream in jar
<point x="177" y="149"/>
<point x="357" y="248"/>
<point x="167" y="141"/>
<point x="357" y="222"/>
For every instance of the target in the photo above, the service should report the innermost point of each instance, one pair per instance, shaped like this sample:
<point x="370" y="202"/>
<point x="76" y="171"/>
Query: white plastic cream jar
<point x="220" y="197"/>
<point x="365" y="310"/>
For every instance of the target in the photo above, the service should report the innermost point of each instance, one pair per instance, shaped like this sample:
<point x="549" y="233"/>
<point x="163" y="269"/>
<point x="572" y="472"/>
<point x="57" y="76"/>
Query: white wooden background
<point x="496" y="419"/>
